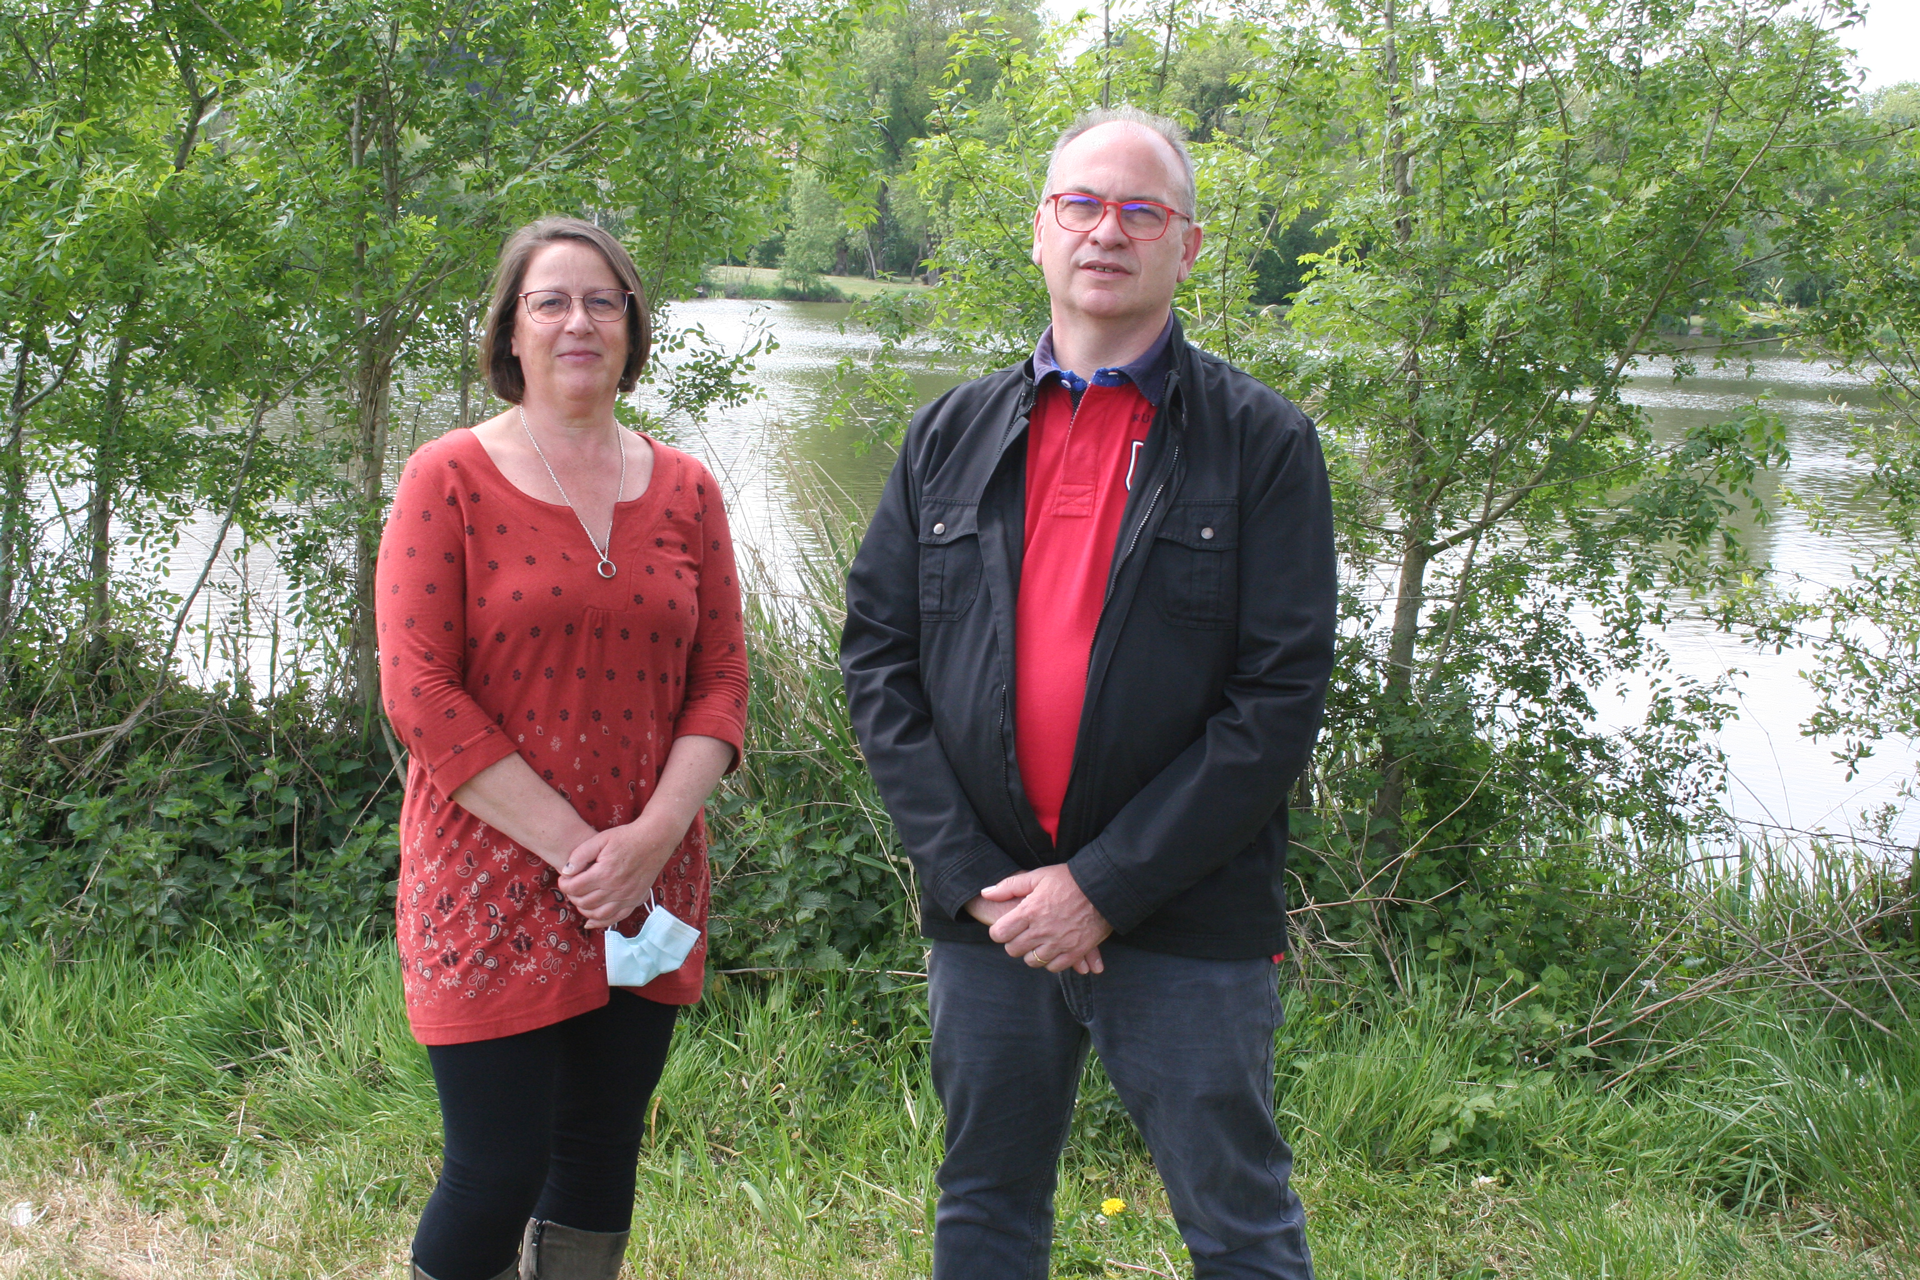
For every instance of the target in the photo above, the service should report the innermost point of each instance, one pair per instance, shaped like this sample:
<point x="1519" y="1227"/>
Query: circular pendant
<point x="606" y="568"/>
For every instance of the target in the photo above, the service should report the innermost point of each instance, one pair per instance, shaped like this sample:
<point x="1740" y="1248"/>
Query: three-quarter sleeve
<point x="420" y="609"/>
<point x="716" y="690"/>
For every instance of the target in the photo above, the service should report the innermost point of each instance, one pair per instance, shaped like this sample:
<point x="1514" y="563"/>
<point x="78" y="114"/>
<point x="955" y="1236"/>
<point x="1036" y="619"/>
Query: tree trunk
<point x="1399" y="162"/>
<point x="1398" y="704"/>
<point x="1106" y="53"/>
<point x="1166" y="55"/>
<point x="372" y="388"/>
<point x="13" y="503"/>
<point x="1389" y="802"/>
<point x="469" y="364"/>
<point x="105" y="483"/>
<point x="107" y="455"/>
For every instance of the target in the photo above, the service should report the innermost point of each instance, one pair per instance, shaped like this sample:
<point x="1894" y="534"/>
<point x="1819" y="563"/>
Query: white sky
<point x="1888" y="43"/>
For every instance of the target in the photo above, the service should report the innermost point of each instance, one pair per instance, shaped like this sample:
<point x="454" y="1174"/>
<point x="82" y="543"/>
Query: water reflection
<point x="790" y="473"/>
<point x="1777" y="775"/>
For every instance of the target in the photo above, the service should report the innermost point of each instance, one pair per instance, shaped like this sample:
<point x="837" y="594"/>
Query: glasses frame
<point x="1116" y="206"/>
<point x="626" y="302"/>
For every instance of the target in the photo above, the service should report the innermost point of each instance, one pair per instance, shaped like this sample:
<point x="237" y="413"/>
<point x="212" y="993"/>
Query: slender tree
<point x="1556" y="189"/>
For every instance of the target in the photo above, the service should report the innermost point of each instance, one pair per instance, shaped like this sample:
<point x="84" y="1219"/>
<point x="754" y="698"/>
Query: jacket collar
<point x="1147" y="372"/>
<point x="1177" y="367"/>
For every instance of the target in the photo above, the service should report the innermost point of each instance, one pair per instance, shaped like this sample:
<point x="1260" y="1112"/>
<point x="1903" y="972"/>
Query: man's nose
<point x="1108" y="230"/>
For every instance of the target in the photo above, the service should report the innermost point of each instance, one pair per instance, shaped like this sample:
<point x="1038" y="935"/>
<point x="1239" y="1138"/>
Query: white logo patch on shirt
<point x="1133" y="461"/>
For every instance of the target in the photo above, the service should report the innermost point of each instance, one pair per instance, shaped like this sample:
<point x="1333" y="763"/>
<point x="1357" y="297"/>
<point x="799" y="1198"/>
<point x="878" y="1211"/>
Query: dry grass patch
<point x="91" y="1228"/>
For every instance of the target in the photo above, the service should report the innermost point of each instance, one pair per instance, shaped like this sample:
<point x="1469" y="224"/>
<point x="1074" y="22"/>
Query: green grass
<point x="226" y="1114"/>
<point x="767" y="282"/>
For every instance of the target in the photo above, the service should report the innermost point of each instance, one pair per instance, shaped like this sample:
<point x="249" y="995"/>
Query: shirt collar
<point x="1147" y="372"/>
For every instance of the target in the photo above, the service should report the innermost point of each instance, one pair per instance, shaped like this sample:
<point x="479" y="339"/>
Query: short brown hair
<point x="498" y="365"/>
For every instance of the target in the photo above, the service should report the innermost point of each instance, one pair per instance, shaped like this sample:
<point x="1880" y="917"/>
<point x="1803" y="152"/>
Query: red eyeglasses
<point x="1140" y="219"/>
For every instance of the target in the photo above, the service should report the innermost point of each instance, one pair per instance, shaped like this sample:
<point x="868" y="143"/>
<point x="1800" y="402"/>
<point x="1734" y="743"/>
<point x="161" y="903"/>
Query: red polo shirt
<point x="1080" y="464"/>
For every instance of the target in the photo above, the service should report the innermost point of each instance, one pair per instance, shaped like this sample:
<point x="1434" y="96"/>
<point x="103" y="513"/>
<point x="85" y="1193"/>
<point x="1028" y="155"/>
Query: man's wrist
<point x="986" y="910"/>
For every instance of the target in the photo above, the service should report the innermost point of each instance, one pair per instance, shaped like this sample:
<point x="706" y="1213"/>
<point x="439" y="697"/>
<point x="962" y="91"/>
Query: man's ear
<point x="1035" y="253"/>
<point x="1192" y="253"/>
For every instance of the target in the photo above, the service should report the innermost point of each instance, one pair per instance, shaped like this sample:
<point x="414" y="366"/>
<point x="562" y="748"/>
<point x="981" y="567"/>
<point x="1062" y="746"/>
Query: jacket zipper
<point x="1006" y="776"/>
<point x="1141" y="528"/>
<point x="1173" y="465"/>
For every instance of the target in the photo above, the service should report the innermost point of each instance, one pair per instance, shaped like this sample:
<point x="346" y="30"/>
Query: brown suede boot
<point x="550" y="1251"/>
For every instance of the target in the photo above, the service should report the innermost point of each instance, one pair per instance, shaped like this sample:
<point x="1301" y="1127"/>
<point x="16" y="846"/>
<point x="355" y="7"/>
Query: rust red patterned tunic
<point x="497" y="635"/>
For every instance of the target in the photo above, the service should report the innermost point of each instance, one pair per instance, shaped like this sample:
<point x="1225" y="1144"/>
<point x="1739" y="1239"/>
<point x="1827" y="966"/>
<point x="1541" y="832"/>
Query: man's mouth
<point x="1104" y="268"/>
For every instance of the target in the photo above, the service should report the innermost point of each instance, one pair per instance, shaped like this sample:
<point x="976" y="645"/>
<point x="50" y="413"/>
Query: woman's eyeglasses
<point x="1140" y="219"/>
<point x="551" y="306"/>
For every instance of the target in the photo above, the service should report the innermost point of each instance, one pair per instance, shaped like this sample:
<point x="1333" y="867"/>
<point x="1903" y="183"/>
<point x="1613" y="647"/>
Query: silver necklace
<point x="606" y="568"/>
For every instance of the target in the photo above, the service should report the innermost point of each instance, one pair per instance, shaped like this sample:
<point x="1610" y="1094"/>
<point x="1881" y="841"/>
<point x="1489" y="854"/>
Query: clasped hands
<point x="611" y="872"/>
<point x="1041" y="917"/>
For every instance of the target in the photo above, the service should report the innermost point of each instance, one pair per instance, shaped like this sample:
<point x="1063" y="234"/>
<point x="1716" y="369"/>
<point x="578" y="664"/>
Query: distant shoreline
<point x="725" y="281"/>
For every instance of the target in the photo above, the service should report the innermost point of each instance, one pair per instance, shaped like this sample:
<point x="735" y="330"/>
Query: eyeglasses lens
<point x="1078" y="213"/>
<point x="607" y="305"/>
<point x="550" y="306"/>
<point x="1143" y="221"/>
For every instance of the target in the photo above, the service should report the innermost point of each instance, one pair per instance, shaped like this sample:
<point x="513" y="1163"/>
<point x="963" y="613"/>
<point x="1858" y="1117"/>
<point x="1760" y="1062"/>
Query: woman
<point x="561" y="652"/>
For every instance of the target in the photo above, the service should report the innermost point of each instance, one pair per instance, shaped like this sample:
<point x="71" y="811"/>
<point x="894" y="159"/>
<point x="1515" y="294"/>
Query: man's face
<point x="1103" y="275"/>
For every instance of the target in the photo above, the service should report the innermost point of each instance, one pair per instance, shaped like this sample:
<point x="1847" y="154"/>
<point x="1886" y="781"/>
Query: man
<point x="1087" y="645"/>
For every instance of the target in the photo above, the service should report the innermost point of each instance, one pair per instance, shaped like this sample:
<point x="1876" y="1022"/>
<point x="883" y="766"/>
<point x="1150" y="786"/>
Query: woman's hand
<point x="611" y="872"/>
<point x="608" y="874"/>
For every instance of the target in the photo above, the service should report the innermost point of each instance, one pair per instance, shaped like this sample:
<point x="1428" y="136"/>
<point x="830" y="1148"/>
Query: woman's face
<point x="577" y="358"/>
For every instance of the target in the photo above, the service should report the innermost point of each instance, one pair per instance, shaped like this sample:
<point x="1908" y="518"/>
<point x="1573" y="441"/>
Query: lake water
<point x="789" y="474"/>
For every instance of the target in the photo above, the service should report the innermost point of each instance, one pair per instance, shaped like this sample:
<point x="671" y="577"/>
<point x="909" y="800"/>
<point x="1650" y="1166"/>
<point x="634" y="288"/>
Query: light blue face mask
<point x="661" y="946"/>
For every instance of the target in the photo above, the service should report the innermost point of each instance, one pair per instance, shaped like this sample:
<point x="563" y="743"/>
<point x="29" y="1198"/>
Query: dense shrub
<point x="259" y="818"/>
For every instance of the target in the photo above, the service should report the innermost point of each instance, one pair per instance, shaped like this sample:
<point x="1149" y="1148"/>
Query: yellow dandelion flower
<point x="1111" y="1207"/>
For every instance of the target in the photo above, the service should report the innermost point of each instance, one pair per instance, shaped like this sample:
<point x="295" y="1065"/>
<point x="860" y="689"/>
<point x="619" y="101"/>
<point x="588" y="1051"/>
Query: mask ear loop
<point x="652" y="902"/>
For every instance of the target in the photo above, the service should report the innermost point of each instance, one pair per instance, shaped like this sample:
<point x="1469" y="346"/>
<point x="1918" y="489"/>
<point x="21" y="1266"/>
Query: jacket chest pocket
<point x="1196" y="564"/>
<point x="949" y="560"/>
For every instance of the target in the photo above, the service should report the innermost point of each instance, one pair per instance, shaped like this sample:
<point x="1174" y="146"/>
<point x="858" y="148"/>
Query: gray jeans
<point x="1188" y="1045"/>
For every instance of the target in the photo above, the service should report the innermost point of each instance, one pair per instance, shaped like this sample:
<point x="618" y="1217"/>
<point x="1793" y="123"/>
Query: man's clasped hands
<point x="1043" y="918"/>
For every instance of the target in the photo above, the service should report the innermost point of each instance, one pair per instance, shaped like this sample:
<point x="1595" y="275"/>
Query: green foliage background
<point x="243" y="243"/>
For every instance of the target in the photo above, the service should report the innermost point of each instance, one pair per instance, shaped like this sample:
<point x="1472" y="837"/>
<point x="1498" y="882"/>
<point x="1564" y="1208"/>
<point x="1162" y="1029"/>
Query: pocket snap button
<point x="1204" y="533"/>
<point x="940" y="528"/>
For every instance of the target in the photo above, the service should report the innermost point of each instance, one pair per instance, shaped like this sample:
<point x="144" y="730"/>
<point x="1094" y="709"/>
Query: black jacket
<point x="1204" y="687"/>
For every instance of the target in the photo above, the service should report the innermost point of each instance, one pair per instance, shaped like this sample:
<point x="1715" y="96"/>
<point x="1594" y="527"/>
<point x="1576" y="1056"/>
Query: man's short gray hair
<point x="1168" y="131"/>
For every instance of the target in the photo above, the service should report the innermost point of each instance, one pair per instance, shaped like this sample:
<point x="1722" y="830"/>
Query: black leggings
<point x="545" y="1124"/>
